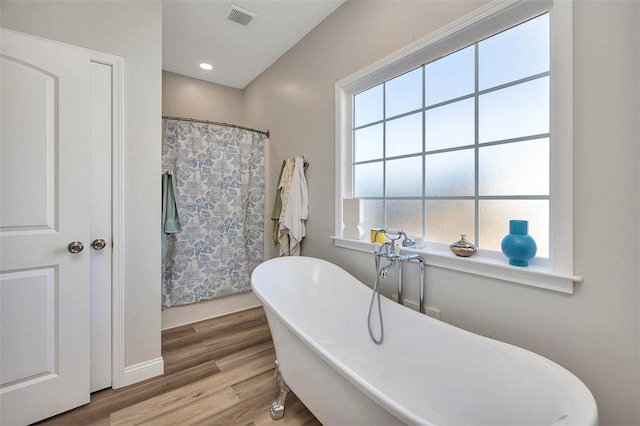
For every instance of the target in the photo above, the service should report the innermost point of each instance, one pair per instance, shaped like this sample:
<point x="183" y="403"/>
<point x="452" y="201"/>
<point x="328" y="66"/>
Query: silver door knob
<point x="75" y="246"/>
<point x="98" y="244"/>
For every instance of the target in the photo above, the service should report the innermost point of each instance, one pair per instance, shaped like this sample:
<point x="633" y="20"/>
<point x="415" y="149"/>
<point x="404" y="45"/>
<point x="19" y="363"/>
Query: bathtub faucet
<point x="388" y="250"/>
<point x="384" y="270"/>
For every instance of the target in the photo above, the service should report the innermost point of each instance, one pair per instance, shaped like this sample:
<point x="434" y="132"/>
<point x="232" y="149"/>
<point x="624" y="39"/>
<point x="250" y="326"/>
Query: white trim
<point x="561" y="165"/>
<point x="118" y="218"/>
<point x="143" y="371"/>
<point x="266" y="238"/>
<point x="343" y="175"/>
<point x="483" y="22"/>
<point x="118" y="371"/>
<point x="484" y="264"/>
<point x="177" y="316"/>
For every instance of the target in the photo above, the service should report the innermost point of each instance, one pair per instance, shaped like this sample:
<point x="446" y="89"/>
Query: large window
<point x="463" y="131"/>
<point x="460" y="145"/>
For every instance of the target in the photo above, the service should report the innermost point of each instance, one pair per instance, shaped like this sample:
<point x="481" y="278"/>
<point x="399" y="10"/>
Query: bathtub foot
<point x="277" y="406"/>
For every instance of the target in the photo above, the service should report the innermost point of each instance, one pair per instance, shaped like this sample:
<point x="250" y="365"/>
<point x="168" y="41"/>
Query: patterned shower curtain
<point x="219" y="175"/>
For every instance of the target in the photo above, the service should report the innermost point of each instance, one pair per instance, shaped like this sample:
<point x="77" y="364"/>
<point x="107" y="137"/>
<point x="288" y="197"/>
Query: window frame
<point x="555" y="273"/>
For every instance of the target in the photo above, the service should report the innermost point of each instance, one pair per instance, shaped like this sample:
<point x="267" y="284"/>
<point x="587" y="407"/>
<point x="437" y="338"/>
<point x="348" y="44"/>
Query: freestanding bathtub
<point x="426" y="372"/>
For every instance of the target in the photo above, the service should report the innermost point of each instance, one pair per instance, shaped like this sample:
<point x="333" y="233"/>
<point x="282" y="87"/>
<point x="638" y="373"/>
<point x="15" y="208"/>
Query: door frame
<point x="118" y="373"/>
<point x="117" y="215"/>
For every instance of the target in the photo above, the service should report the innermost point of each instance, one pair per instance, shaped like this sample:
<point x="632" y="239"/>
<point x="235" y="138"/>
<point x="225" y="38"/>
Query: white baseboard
<point x="143" y="371"/>
<point x="188" y="314"/>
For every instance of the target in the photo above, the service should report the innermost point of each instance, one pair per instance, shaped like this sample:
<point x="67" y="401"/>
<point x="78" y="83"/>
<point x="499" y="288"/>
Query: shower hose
<point x="376" y="293"/>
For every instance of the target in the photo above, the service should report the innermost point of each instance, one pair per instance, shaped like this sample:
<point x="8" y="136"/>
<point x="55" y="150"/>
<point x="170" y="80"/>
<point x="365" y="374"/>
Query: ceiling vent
<point x="240" y="16"/>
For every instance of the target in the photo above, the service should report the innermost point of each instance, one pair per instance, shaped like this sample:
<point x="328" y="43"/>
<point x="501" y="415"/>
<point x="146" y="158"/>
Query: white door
<point x="101" y="142"/>
<point x="44" y="206"/>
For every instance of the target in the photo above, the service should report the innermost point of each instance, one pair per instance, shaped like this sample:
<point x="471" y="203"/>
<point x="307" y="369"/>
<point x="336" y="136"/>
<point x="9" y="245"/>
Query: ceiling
<point x="196" y="31"/>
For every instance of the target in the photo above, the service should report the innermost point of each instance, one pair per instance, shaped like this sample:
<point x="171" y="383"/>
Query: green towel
<point x="170" y="219"/>
<point x="277" y="207"/>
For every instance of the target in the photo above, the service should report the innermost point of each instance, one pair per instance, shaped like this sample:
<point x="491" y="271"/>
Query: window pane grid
<point x="462" y="197"/>
<point x="475" y="94"/>
<point x="384" y="155"/>
<point x="514" y="83"/>
<point x="476" y="151"/>
<point x="476" y="146"/>
<point x="397" y="157"/>
<point x="458" y="148"/>
<point x="423" y="215"/>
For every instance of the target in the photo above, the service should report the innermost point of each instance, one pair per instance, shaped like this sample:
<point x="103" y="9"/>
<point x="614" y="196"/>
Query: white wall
<point x="595" y="332"/>
<point x="132" y="30"/>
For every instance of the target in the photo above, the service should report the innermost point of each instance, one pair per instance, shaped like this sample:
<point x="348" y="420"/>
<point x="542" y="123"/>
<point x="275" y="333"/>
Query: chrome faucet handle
<point x="395" y="232"/>
<point x="392" y="240"/>
<point x="380" y="249"/>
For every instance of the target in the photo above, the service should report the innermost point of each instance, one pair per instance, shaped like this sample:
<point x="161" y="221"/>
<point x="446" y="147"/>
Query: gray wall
<point x="132" y="30"/>
<point x="189" y="97"/>
<point x="594" y="333"/>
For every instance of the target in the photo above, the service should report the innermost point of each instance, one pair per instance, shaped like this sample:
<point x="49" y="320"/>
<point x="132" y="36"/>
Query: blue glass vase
<point x="518" y="245"/>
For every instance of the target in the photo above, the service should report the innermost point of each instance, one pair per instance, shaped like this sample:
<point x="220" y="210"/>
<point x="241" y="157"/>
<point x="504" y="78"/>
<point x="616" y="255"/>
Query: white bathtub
<point x="425" y="372"/>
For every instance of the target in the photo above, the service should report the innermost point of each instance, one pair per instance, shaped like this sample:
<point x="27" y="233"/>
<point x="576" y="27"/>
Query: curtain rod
<point x="217" y="123"/>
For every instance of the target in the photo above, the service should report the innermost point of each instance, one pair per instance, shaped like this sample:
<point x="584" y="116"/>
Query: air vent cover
<point x="240" y="16"/>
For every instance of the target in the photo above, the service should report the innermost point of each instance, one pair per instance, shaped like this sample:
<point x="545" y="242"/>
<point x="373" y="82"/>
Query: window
<point x="461" y="144"/>
<point x="465" y="130"/>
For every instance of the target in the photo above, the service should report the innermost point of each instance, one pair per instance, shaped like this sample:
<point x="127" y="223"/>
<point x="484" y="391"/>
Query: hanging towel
<point x="277" y="208"/>
<point x="297" y="210"/>
<point x="285" y="183"/>
<point x="170" y="219"/>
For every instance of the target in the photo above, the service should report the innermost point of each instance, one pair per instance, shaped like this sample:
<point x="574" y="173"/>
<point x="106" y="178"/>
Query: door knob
<point x="75" y="246"/>
<point x="98" y="244"/>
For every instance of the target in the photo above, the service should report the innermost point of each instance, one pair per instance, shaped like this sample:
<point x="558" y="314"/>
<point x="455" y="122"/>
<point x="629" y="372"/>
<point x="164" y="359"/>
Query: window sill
<point x="485" y="264"/>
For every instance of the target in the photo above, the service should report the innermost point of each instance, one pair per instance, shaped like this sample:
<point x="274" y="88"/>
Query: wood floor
<point x="217" y="372"/>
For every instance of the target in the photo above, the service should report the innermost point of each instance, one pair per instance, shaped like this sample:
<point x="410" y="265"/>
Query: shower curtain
<point x="219" y="175"/>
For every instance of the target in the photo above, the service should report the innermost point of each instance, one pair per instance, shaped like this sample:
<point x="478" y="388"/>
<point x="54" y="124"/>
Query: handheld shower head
<point x="408" y="241"/>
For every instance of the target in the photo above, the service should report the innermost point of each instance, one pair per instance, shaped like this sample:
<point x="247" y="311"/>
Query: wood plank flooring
<point x="217" y="372"/>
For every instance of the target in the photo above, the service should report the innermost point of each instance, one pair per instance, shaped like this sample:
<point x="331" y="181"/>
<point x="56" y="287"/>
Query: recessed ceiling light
<point x="207" y="67"/>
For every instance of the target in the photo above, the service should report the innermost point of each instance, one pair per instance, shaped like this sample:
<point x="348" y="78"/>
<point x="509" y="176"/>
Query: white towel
<point x="284" y="187"/>
<point x="297" y="210"/>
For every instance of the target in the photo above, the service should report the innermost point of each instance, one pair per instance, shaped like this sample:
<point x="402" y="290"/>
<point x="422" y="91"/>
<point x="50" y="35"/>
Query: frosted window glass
<point x="368" y="106"/>
<point x="519" y="168"/>
<point x="403" y="93"/>
<point x="404" y="135"/>
<point x="405" y="215"/>
<point x="450" y="77"/>
<point x="521" y="110"/>
<point x="367" y="180"/>
<point x="373" y="216"/>
<point x="516" y="53"/>
<point x="450" y="125"/>
<point x="450" y="173"/>
<point x="447" y="219"/>
<point x="368" y="143"/>
<point x="494" y="222"/>
<point x="404" y="177"/>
